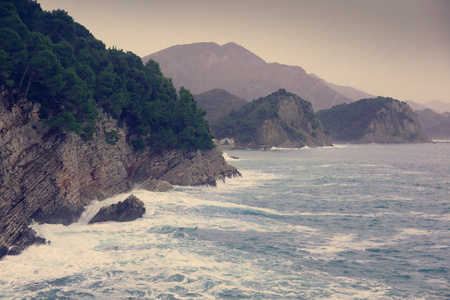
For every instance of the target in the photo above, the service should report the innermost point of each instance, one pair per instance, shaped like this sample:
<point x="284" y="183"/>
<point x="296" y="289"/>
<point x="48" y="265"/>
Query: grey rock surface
<point x="128" y="210"/>
<point x="50" y="176"/>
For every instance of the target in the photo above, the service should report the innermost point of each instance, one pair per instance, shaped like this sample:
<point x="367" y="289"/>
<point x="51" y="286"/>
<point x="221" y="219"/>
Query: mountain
<point x="347" y="91"/>
<point x="218" y="103"/>
<point x="435" y="105"/>
<point x="201" y="67"/>
<point x="281" y="119"/>
<point x="374" y="120"/>
<point x="415" y="106"/>
<point x="438" y="106"/>
<point x="436" y="126"/>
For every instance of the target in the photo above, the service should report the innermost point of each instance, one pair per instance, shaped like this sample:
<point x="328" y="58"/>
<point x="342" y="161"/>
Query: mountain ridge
<point x="437" y="126"/>
<point x="205" y="66"/>
<point x="347" y="91"/>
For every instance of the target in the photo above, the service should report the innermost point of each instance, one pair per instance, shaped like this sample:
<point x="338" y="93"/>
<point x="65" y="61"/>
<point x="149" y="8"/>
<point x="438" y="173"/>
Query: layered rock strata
<point x="50" y="176"/>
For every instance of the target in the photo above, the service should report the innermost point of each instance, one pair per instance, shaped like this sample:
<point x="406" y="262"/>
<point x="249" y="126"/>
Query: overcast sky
<point x="395" y="48"/>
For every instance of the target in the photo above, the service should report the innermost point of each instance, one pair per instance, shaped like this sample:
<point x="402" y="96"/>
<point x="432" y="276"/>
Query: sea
<point x="343" y="222"/>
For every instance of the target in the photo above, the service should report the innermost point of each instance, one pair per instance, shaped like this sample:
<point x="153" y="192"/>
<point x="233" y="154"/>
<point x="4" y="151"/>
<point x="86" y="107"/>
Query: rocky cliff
<point x="375" y="120"/>
<point x="281" y="119"/>
<point x="51" y="176"/>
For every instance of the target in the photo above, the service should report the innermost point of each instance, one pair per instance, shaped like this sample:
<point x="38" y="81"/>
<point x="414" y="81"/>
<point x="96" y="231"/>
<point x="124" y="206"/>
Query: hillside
<point x="201" y="67"/>
<point x="347" y="91"/>
<point x="374" y="120"/>
<point x="281" y="119"/>
<point x="438" y="106"/>
<point x="436" y="126"/>
<point x="79" y="122"/>
<point x="56" y="62"/>
<point x="218" y="103"/>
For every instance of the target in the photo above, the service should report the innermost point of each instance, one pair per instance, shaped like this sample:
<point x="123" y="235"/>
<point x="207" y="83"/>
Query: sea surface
<point x="343" y="222"/>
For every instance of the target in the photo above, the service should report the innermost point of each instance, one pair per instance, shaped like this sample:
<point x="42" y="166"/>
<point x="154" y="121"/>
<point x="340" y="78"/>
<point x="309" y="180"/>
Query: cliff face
<point x="51" y="176"/>
<point x="295" y="126"/>
<point x="377" y="120"/>
<point x="281" y="119"/>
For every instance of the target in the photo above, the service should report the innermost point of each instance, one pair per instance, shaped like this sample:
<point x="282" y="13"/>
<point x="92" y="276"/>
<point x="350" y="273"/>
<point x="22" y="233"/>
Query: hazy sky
<point x="395" y="48"/>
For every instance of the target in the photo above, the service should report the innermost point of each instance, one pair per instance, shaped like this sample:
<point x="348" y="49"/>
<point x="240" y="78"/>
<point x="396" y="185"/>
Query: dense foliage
<point x="242" y="124"/>
<point x="218" y="103"/>
<point x="58" y="63"/>
<point x="349" y="121"/>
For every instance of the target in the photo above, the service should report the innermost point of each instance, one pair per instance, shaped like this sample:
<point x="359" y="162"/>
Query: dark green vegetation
<point x="280" y="119"/>
<point x="50" y="59"/>
<point x="350" y="121"/>
<point x="218" y="103"/>
<point x="242" y="124"/>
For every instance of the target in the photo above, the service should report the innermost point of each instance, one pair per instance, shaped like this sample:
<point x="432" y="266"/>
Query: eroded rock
<point x="128" y="210"/>
<point x="50" y="177"/>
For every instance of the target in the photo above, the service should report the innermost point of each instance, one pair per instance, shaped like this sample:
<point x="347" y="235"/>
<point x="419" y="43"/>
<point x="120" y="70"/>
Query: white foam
<point x="344" y="242"/>
<point x="229" y="158"/>
<point x="287" y="149"/>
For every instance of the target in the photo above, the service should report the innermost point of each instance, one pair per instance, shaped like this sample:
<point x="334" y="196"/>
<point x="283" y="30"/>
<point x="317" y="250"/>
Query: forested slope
<point x="50" y="59"/>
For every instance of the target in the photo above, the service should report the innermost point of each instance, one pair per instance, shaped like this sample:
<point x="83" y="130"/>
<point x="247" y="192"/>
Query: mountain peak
<point x="201" y="67"/>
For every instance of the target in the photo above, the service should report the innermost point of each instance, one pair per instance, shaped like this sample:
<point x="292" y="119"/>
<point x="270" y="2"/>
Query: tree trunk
<point x="23" y="76"/>
<point x="28" y="85"/>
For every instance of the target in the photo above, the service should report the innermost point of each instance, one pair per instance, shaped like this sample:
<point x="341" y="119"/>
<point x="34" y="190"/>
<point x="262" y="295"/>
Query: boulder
<point x="130" y="209"/>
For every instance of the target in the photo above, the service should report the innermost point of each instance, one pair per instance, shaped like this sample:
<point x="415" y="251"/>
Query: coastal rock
<point x="50" y="176"/>
<point x="156" y="185"/>
<point x="281" y="119"/>
<point x="375" y="120"/>
<point x="128" y="210"/>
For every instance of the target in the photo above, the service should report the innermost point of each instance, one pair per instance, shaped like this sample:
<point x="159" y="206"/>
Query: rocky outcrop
<point x="51" y="176"/>
<point x="128" y="210"/>
<point x="375" y="120"/>
<point x="281" y="119"/>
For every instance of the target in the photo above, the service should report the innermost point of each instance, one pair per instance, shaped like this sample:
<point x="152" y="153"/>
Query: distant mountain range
<point x="201" y="67"/>
<point x="435" y="105"/>
<point x="436" y="126"/>
<point x="434" y="116"/>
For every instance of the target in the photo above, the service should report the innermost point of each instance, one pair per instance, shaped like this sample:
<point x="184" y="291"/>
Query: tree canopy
<point x="58" y="63"/>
